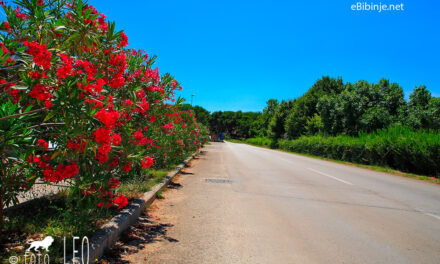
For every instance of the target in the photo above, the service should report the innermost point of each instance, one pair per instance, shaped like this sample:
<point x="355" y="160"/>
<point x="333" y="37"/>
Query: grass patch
<point x="135" y="187"/>
<point x="159" y="195"/>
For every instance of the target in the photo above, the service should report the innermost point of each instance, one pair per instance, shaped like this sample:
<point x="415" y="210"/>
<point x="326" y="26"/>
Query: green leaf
<point x="20" y="87"/>
<point x="49" y="116"/>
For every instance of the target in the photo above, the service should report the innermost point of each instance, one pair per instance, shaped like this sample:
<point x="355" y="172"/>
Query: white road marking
<point x="433" y="215"/>
<point x="333" y="177"/>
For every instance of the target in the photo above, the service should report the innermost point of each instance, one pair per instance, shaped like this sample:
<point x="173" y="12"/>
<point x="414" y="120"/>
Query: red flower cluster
<point x="124" y="40"/>
<point x="39" y="53"/>
<point x="62" y="172"/>
<point x="121" y="200"/>
<point x="113" y="183"/>
<point x="42" y="143"/>
<point x="147" y="162"/>
<point x="108" y="118"/>
<point x="127" y="167"/>
<point x="66" y="68"/>
<point x="41" y="92"/>
<point x="78" y="144"/>
<point x="116" y="139"/>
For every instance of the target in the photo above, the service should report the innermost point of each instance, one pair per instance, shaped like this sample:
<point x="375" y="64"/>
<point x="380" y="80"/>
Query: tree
<point x="362" y="107"/>
<point x="259" y="128"/>
<point x="423" y="109"/>
<point x="305" y="106"/>
<point x="277" y="122"/>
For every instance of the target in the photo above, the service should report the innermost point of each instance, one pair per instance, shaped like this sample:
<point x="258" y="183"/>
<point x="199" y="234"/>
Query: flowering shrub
<point x="77" y="105"/>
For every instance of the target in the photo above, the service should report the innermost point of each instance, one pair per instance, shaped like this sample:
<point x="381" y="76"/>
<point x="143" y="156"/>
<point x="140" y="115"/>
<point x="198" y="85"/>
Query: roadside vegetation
<point x="361" y="122"/>
<point x="79" y="107"/>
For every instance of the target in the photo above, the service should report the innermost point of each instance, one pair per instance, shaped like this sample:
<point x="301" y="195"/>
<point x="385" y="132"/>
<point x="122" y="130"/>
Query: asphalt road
<point x="243" y="204"/>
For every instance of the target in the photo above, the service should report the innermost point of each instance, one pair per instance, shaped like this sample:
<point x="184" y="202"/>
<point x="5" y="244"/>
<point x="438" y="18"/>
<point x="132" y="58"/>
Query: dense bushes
<point x="76" y="105"/>
<point x="260" y="141"/>
<point x="397" y="147"/>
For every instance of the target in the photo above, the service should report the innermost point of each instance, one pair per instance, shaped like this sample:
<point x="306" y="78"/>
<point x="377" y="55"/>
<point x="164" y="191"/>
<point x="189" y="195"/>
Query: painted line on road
<point x="432" y="215"/>
<point x="333" y="177"/>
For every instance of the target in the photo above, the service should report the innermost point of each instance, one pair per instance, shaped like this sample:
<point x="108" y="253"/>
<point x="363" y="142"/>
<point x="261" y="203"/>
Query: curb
<point x="109" y="233"/>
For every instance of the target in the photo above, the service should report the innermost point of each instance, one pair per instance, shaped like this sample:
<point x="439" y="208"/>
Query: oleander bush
<point x="77" y="105"/>
<point x="397" y="147"/>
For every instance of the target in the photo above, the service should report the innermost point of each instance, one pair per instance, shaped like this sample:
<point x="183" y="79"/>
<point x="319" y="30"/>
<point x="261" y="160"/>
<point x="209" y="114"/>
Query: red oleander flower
<point x="128" y="102"/>
<point x="124" y="40"/>
<point x="114" y="163"/>
<point x="40" y="92"/>
<point x="73" y="145"/>
<point x="20" y="15"/>
<point x="106" y="205"/>
<point x="138" y="135"/>
<point x="104" y="149"/>
<point x="40" y="54"/>
<point x="113" y="183"/>
<point x="98" y="85"/>
<point x="48" y="104"/>
<point x="42" y="143"/>
<point x="121" y="201"/>
<point x="102" y="135"/>
<point x="66" y="68"/>
<point x="103" y="26"/>
<point x="117" y="81"/>
<point x="6" y="25"/>
<point x="117" y="139"/>
<point x="144" y="105"/>
<point x="102" y="157"/>
<point x="147" y="163"/>
<point x="37" y="75"/>
<point x="108" y="118"/>
<point x="62" y="172"/>
<point x="36" y="159"/>
<point x="127" y="167"/>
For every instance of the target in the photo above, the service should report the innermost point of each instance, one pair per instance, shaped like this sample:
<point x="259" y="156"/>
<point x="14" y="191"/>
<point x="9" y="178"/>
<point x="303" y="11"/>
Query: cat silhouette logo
<point x="45" y="243"/>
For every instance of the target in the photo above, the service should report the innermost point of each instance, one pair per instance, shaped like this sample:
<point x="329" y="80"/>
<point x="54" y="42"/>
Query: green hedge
<point x="397" y="147"/>
<point x="259" y="141"/>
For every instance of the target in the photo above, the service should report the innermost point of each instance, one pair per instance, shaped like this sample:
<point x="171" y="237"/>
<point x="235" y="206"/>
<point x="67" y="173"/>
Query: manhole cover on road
<point x="219" y="180"/>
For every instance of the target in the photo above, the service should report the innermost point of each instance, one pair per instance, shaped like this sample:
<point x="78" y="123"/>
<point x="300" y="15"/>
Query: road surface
<point x="244" y="204"/>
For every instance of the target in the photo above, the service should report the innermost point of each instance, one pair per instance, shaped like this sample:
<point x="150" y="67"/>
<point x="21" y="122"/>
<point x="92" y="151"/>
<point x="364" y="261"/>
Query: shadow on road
<point x="173" y="185"/>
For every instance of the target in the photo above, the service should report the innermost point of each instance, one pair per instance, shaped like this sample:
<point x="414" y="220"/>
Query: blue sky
<point x="235" y="55"/>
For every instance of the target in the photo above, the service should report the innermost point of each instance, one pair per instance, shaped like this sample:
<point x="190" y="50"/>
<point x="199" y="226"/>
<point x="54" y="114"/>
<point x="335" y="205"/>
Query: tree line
<point x="331" y="107"/>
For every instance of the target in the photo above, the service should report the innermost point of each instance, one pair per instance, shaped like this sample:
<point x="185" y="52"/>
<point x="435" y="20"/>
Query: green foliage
<point x="277" y="123"/>
<point x="423" y="109"/>
<point x="305" y="107"/>
<point x="233" y="124"/>
<point x="259" y="128"/>
<point x="259" y="141"/>
<point x="361" y="107"/>
<point x="203" y="116"/>
<point x="314" y="125"/>
<point x="396" y="147"/>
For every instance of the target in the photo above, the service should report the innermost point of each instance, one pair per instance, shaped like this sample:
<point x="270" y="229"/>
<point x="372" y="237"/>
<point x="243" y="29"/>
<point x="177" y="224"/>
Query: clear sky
<point x="235" y="55"/>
